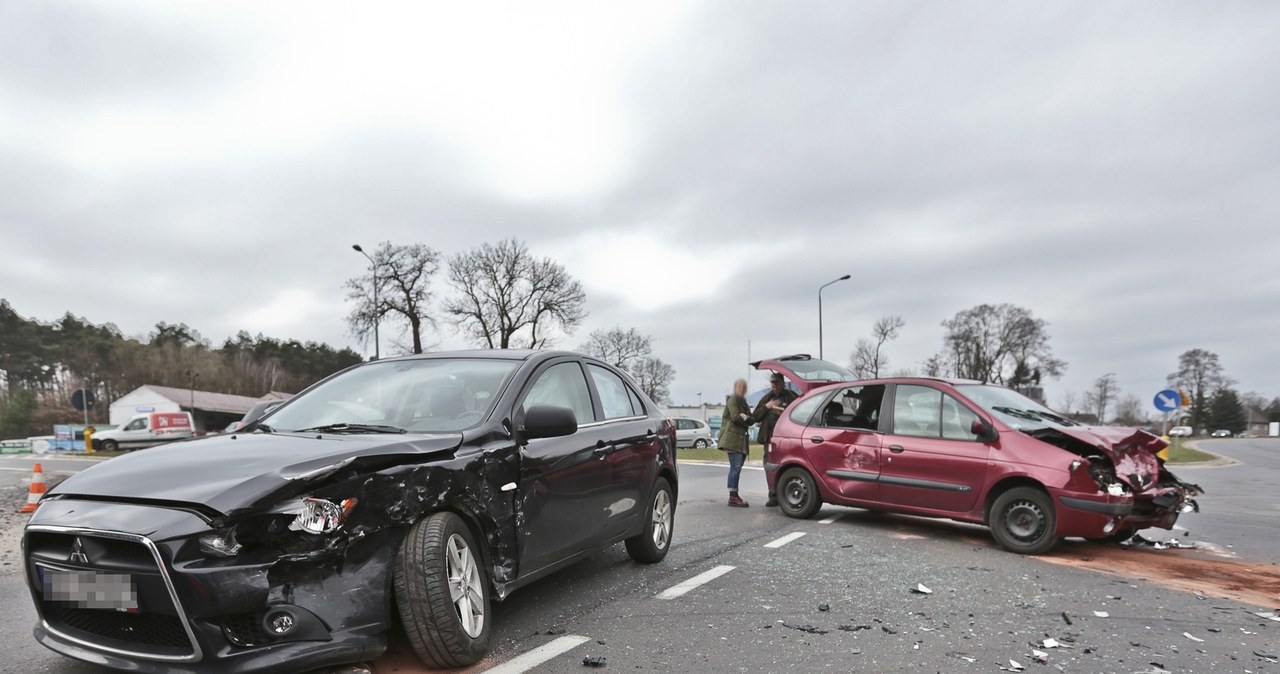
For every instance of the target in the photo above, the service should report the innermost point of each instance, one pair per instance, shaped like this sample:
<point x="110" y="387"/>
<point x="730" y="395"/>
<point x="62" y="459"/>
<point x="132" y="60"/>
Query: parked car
<point x="1180" y="432"/>
<point x="1220" y="433"/>
<point x="260" y="409"/>
<point x="145" y="430"/>
<point x="428" y="485"/>
<point x="692" y="433"/>
<point x="971" y="452"/>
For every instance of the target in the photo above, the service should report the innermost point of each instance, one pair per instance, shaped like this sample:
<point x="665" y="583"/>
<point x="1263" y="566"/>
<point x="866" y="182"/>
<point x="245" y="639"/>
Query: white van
<point x="145" y="430"/>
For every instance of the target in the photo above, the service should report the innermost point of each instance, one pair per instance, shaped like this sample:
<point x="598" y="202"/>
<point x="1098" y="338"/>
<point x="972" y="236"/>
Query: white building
<point x="211" y="411"/>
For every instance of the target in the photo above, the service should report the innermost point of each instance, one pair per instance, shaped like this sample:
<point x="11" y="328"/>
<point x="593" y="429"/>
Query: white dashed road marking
<point x="831" y="519"/>
<point x="784" y="540"/>
<point x="700" y="579"/>
<point x="539" y="655"/>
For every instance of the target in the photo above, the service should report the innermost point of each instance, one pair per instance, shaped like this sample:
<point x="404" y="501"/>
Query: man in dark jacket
<point x="767" y="412"/>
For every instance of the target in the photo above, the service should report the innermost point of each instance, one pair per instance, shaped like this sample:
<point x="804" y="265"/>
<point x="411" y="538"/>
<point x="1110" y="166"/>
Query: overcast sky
<point x="701" y="167"/>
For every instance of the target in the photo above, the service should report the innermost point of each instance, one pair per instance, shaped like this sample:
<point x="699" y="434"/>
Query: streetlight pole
<point x="824" y="285"/>
<point x="373" y="268"/>
<point x="194" y="376"/>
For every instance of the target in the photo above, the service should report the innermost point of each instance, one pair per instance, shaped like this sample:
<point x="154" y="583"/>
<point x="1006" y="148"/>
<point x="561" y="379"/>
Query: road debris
<point x="594" y="661"/>
<point x="806" y="628"/>
<point x="1050" y="643"/>
<point x="855" y="651"/>
<point x="921" y="589"/>
<point x="1066" y="618"/>
<point x="888" y="630"/>
<point x="555" y="631"/>
<point x="1014" y="666"/>
<point x="1040" y="656"/>
<point x="1269" y="657"/>
<point x="1192" y="637"/>
<point x="1101" y="614"/>
<point x="824" y="607"/>
<point x="853" y="628"/>
<point x="1269" y="615"/>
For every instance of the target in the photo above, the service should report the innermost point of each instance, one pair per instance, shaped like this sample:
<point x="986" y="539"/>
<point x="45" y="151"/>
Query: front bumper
<point x="1100" y="515"/>
<point x="197" y="615"/>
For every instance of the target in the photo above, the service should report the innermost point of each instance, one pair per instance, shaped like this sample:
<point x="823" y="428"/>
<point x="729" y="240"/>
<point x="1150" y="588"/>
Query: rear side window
<point x="803" y="411"/>
<point x="614" y="397"/>
<point x="563" y="385"/>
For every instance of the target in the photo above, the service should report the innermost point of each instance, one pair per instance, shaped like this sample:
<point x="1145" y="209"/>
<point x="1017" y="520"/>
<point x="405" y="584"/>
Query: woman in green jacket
<point x="733" y="437"/>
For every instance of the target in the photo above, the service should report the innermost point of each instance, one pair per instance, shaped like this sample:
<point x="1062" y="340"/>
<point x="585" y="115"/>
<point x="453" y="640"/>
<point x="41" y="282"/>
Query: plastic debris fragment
<point x="921" y="589"/>
<point x="1192" y="637"/>
<point x="594" y="661"/>
<point x="1102" y="614"/>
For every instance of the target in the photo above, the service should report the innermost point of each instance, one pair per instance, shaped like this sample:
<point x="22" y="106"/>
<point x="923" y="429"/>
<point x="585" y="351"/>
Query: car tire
<point x="442" y="592"/>
<point x="700" y="443"/>
<point x="110" y="445"/>
<point x="650" y="546"/>
<point x="798" y="496"/>
<point x="1023" y="520"/>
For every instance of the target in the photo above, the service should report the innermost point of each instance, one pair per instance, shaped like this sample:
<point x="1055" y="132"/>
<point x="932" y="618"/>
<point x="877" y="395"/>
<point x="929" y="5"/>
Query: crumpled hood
<point x="228" y="473"/>
<point x="1131" y="450"/>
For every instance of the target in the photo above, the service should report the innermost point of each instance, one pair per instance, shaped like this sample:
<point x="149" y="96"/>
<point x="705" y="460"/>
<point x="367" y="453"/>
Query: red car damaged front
<point x="1123" y="464"/>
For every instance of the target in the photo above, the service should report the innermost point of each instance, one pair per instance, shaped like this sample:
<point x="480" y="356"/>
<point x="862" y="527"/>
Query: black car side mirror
<point x="548" y="421"/>
<point x="984" y="430"/>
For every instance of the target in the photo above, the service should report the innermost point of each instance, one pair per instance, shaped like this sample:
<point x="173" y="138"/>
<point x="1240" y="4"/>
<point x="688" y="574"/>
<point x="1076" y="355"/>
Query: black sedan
<point x="410" y="491"/>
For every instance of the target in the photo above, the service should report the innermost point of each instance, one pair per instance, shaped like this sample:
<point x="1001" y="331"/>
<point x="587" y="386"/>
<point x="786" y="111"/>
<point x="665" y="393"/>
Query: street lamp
<point x="373" y="268"/>
<point x="824" y="285"/>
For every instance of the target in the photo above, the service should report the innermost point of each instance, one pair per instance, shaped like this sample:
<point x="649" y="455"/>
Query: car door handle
<point x="816" y="439"/>
<point x="896" y="449"/>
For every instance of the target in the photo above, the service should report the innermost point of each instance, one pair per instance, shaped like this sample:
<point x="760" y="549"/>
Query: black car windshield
<point x="417" y="396"/>
<point x="816" y="370"/>
<point x="1013" y="408"/>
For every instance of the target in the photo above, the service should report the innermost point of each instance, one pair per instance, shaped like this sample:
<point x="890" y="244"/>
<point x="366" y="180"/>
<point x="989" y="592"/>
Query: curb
<point x="1221" y="461"/>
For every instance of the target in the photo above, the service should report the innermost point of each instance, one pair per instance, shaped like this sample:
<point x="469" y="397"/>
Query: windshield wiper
<point x="1056" y="418"/>
<point x="352" y="428"/>
<point x="261" y="427"/>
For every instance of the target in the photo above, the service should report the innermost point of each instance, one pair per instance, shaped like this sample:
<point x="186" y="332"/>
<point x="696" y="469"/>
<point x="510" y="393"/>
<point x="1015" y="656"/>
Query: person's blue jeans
<point x="736" y="459"/>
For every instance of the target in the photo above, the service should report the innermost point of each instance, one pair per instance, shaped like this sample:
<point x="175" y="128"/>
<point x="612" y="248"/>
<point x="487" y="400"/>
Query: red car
<point x="971" y="452"/>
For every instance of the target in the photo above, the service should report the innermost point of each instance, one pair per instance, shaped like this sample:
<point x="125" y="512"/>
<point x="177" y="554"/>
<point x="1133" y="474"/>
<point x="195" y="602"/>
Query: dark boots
<point x="773" y="500"/>
<point x="736" y="501"/>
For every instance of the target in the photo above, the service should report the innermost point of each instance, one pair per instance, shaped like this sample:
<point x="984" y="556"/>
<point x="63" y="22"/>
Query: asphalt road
<point x="763" y="612"/>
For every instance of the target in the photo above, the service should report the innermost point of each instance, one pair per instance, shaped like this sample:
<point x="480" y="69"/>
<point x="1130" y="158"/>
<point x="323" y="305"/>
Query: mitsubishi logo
<point x="78" y="555"/>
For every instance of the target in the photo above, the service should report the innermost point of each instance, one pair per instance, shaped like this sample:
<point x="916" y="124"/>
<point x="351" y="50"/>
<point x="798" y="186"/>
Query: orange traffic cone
<point x="36" y="492"/>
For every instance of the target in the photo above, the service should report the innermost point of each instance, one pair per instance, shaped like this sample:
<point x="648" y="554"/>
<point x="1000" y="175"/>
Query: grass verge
<point x="1180" y="451"/>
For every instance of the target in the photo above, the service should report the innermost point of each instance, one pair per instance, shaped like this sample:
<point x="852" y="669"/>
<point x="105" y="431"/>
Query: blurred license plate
<point x="85" y="589"/>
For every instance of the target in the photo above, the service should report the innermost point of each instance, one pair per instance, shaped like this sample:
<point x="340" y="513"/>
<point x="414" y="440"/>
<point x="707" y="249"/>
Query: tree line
<point x="1006" y="344"/>
<point x="497" y="296"/>
<point x="43" y="363"/>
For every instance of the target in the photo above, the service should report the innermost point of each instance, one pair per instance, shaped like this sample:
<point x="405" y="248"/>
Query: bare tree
<point x="1199" y="375"/>
<point x="504" y="297"/>
<point x="1099" y="398"/>
<point x="403" y="276"/>
<point x="620" y="348"/>
<point x="1067" y="402"/>
<point x="935" y="366"/>
<point x="868" y="358"/>
<point x="1000" y="344"/>
<point x="1129" y="410"/>
<point x="654" y="377"/>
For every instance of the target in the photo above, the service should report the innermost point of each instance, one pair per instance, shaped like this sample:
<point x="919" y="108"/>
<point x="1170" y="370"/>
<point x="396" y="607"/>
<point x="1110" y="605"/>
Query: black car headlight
<point x="221" y="543"/>
<point x="322" y="516"/>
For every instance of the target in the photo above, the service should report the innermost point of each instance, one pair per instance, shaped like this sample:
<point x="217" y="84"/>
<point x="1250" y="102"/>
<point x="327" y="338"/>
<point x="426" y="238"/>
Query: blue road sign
<point x="1168" y="400"/>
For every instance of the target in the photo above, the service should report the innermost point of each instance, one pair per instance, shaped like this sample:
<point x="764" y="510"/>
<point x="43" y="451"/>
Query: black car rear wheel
<point x="797" y="494"/>
<point x="1023" y="520"/>
<point x="442" y="592"/>
<point x="651" y="545"/>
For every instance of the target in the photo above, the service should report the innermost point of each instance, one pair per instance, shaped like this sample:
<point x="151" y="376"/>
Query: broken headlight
<point x="321" y="516"/>
<point x="220" y="543"/>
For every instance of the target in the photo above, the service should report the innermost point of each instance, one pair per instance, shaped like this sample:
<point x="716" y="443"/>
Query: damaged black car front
<point x="393" y="485"/>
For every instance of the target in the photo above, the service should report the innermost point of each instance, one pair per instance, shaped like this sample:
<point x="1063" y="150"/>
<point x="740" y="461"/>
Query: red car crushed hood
<point x="1133" y="455"/>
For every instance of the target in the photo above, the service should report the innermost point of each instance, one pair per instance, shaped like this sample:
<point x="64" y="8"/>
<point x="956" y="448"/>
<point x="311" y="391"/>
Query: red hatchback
<point x="971" y="452"/>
